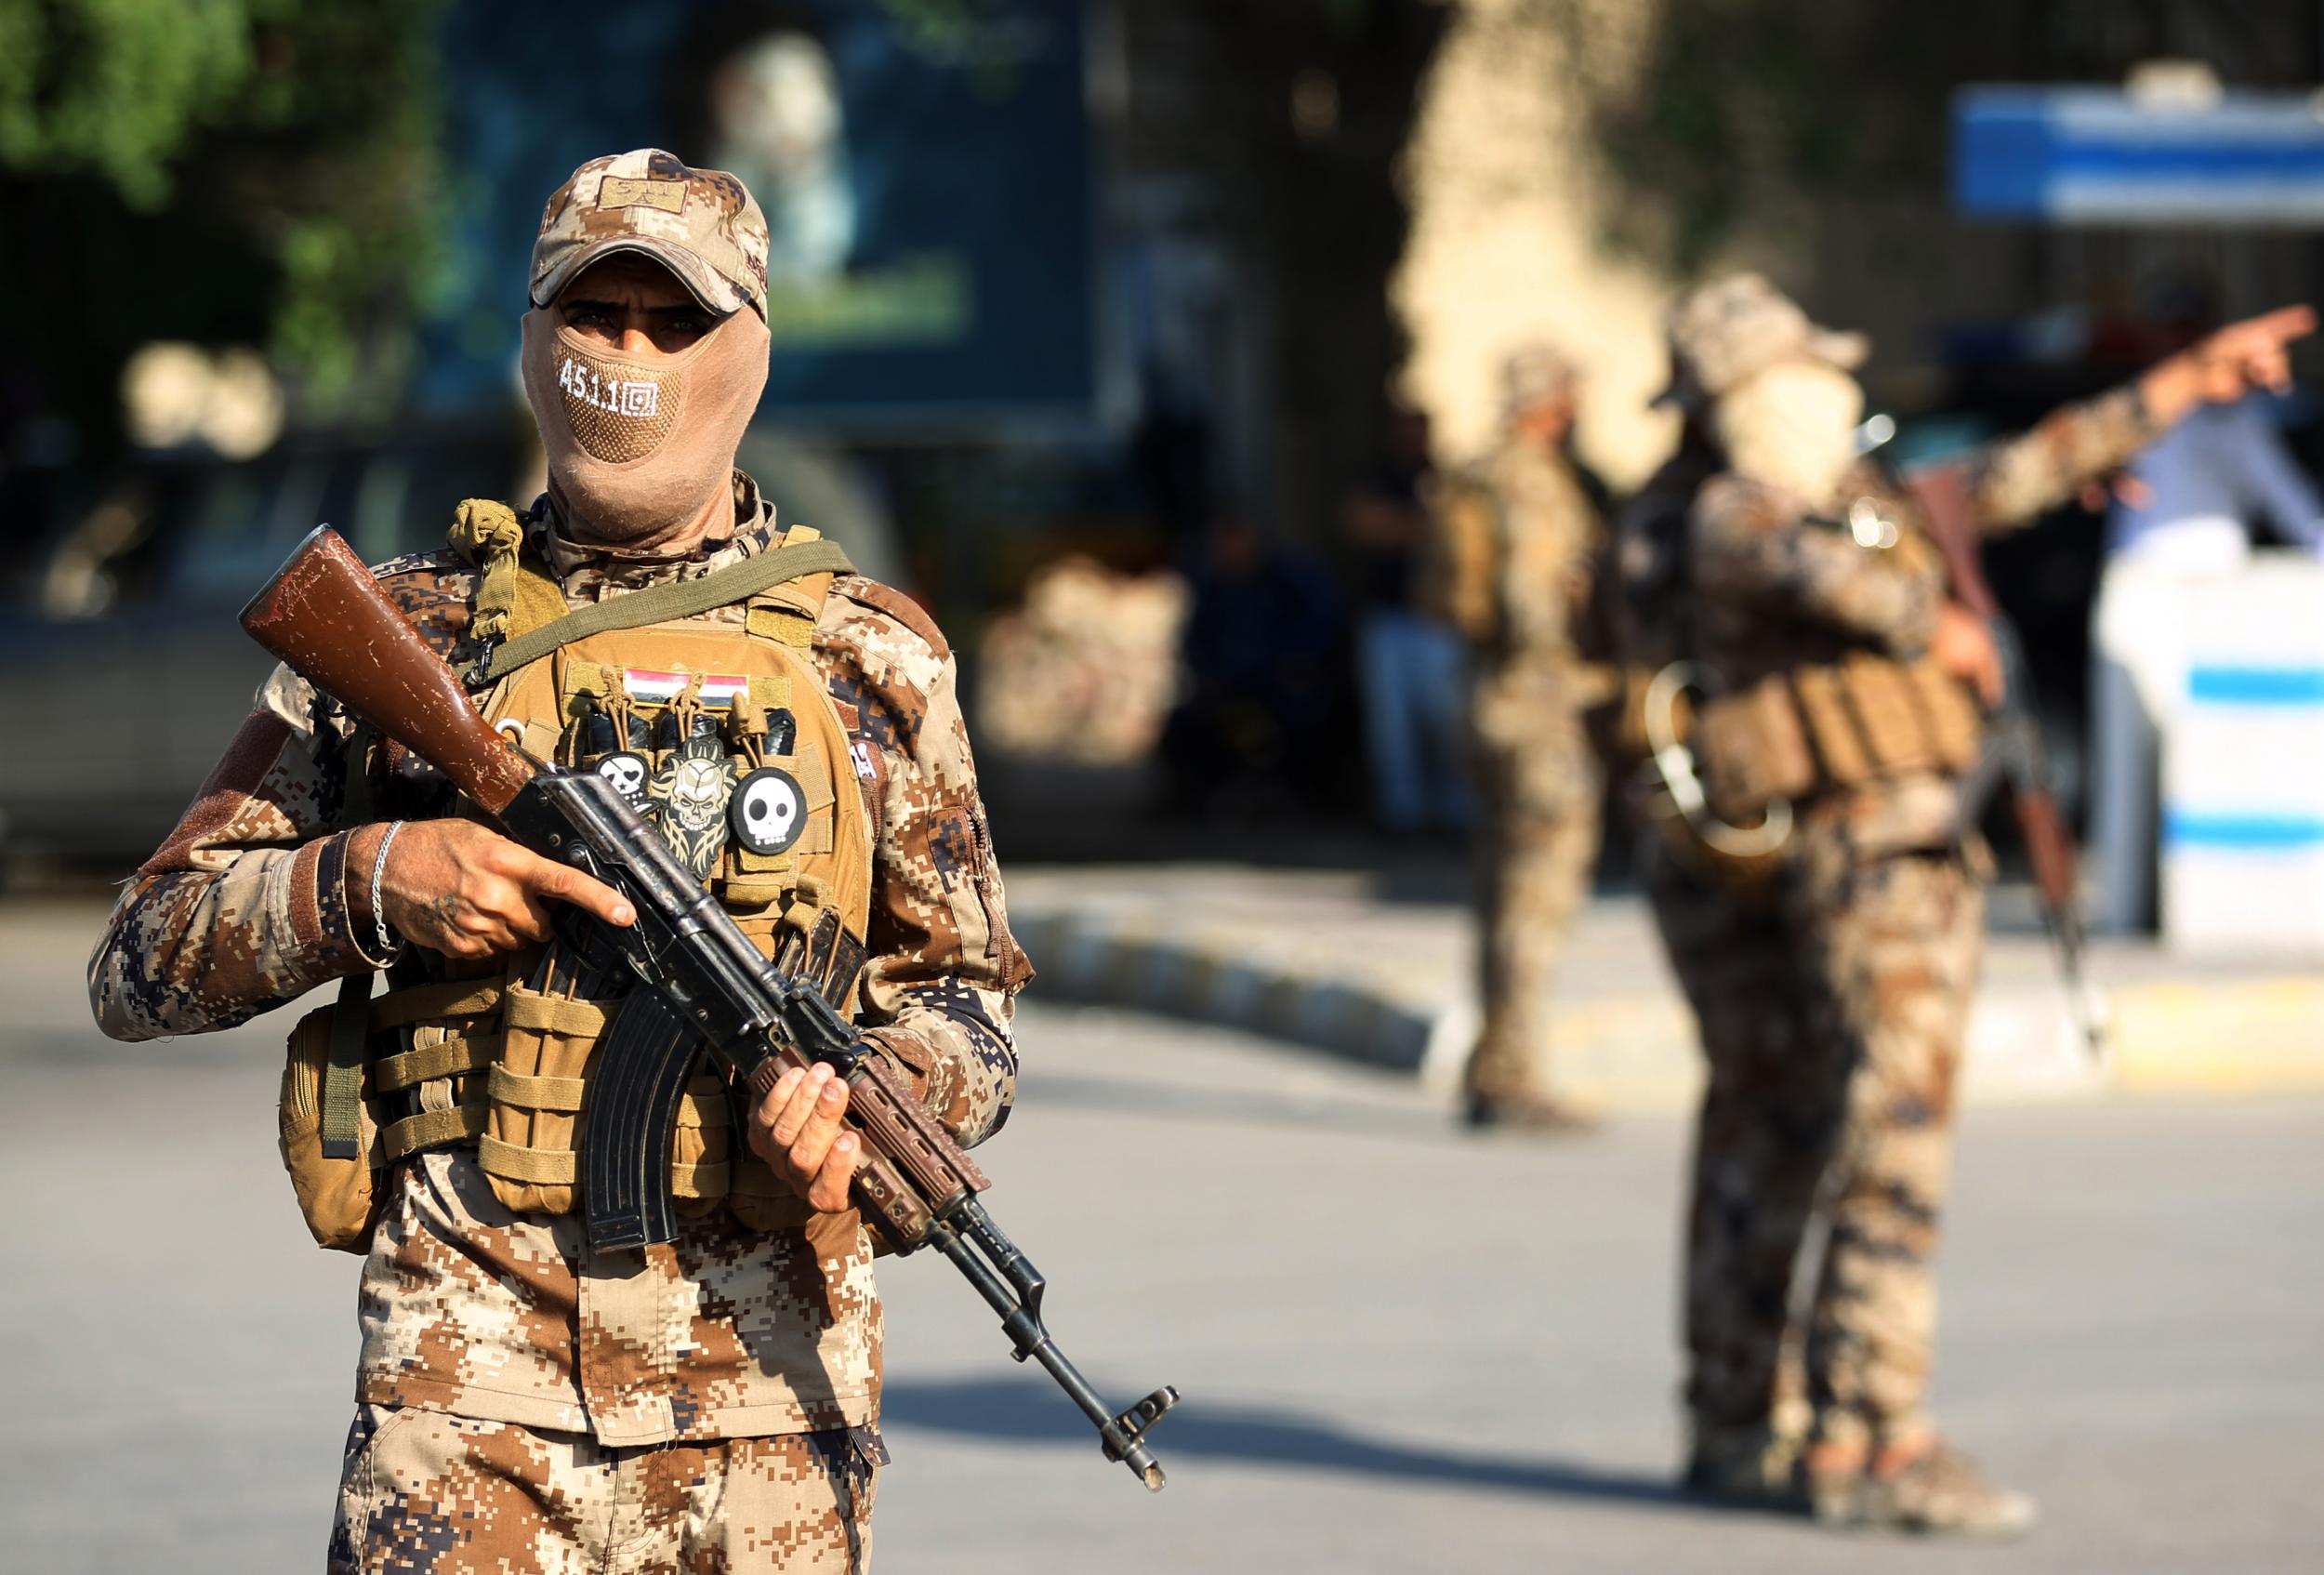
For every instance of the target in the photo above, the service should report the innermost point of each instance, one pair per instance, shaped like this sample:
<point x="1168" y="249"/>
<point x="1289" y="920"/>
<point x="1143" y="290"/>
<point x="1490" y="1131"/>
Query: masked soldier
<point x="1824" y="911"/>
<point x="1516" y="534"/>
<point x="526" y="1403"/>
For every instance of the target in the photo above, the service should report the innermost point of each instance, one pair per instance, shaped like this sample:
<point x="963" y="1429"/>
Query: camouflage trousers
<point x="424" y="1492"/>
<point x="1539" y="843"/>
<point x="1831" y="1015"/>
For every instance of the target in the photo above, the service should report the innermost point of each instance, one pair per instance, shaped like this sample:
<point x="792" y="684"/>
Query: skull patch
<point x="691" y="789"/>
<point x="768" y="811"/>
<point x="627" y="772"/>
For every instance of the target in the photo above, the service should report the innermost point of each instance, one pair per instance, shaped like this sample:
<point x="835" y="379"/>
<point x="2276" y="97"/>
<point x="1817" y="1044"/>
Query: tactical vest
<point x="1795" y="735"/>
<point x="721" y="730"/>
<point x="1820" y="726"/>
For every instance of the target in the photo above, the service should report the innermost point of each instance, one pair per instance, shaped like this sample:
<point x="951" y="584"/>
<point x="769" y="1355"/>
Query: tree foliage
<point x="226" y="168"/>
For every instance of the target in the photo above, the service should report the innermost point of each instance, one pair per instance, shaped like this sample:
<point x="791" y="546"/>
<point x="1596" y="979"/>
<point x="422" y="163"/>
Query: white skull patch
<point x="627" y="772"/>
<point x="768" y="811"/>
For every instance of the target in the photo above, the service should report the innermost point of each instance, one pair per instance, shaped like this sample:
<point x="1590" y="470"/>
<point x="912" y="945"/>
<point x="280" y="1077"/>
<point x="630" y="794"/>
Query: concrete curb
<point x="1095" y="959"/>
<point x="1632" y="1052"/>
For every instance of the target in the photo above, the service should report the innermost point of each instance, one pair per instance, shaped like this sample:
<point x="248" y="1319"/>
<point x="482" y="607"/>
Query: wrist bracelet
<point x="378" y="913"/>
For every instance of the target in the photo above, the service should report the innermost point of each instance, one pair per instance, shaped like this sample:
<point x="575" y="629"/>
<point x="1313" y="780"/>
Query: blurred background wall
<point x="1093" y="285"/>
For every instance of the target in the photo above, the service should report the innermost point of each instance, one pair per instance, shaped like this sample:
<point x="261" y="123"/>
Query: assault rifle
<point x="706" y="987"/>
<point x="2013" y="755"/>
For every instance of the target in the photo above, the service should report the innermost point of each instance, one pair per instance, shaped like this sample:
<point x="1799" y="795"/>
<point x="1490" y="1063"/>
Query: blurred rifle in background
<point x="2013" y="758"/>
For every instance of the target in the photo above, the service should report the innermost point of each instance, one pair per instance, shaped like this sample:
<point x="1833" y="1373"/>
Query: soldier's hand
<point x="464" y="889"/>
<point x="1964" y="647"/>
<point x="2227" y="364"/>
<point x="797" y="1129"/>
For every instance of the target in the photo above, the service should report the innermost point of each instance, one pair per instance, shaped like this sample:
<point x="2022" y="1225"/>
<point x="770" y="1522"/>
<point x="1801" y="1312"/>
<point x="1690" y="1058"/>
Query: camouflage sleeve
<point x="245" y="905"/>
<point x="1753" y="546"/>
<point x="943" y="968"/>
<point x="2014" y="479"/>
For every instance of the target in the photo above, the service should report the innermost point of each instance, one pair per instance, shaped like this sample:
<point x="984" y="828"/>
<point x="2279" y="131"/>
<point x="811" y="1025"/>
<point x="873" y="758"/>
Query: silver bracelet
<point x="388" y="946"/>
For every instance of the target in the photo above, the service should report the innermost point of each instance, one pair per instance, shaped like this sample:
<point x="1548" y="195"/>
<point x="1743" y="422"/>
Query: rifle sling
<point x="662" y="603"/>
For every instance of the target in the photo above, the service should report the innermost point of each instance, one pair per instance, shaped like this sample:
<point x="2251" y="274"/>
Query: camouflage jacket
<point x="470" y="1308"/>
<point x="1531" y="677"/>
<point x="1772" y="582"/>
<point x="1549" y="538"/>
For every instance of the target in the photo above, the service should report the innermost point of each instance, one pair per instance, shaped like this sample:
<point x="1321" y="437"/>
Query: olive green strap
<point x="434" y="1128"/>
<point x="342" y="1095"/>
<point x="661" y="604"/>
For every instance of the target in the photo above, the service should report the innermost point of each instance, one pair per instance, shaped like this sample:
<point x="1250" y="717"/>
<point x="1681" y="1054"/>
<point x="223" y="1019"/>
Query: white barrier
<point x="2243" y="763"/>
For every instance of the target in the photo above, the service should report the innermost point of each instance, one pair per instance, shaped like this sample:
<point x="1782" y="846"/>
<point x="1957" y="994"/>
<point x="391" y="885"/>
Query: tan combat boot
<point x="1526" y="1111"/>
<point x="1749" y="1468"/>
<point x="1921" y="1485"/>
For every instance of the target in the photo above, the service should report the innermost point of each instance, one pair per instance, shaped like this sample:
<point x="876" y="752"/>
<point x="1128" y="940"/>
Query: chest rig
<point x="699" y="701"/>
<point x="1847" y="718"/>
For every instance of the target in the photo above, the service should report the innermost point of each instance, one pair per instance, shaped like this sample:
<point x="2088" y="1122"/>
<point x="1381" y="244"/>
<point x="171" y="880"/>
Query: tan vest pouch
<point x="1834" y="725"/>
<point x="533" y="1095"/>
<point x="1752" y="751"/>
<point x="338" y="1197"/>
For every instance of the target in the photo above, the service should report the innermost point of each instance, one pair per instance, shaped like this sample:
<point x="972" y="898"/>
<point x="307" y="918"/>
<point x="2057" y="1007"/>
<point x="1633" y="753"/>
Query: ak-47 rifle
<point x="706" y="987"/>
<point x="2014" y="756"/>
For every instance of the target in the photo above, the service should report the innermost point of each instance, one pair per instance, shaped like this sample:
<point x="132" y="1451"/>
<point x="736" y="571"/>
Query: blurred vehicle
<point x="126" y="672"/>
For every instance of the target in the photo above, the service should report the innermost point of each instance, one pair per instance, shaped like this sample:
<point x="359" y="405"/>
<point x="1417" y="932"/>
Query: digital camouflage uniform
<point x="495" y="1344"/>
<point x="1538" y="779"/>
<point x="1833" y="1002"/>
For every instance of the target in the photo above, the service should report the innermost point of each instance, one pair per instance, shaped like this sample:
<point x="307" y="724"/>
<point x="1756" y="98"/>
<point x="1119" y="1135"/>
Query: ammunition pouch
<point x="1816" y="728"/>
<point x="337" y="1196"/>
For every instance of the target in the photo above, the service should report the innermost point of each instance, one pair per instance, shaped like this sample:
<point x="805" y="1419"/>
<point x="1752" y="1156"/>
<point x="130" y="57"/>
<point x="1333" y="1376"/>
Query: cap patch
<point x="621" y="192"/>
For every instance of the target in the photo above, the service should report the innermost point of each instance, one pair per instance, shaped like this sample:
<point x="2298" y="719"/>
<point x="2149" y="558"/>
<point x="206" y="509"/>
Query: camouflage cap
<point x="1535" y="373"/>
<point x="1723" y="333"/>
<point x="702" y="224"/>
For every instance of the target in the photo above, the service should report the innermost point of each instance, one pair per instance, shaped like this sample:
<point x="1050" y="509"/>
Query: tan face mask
<point x="1793" y="427"/>
<point x="642" y="446"/>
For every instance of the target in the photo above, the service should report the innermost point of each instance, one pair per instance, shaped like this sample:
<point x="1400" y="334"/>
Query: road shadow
<point x="1011" y="1411"/>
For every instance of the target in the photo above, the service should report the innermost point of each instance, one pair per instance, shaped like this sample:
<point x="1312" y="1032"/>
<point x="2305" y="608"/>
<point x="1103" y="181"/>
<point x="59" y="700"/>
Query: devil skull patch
<point x="691" y="789"/>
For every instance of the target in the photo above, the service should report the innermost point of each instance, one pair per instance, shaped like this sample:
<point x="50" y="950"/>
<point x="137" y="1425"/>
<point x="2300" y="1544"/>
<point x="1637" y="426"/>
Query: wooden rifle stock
<point x="325" y="614"/>
<point x="1943" y="492"/>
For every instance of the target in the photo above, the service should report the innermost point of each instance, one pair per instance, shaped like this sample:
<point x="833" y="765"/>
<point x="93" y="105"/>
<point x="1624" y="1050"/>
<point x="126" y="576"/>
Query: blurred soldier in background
<point x="1510" y="568"/>
<point x="1825" y="911"/>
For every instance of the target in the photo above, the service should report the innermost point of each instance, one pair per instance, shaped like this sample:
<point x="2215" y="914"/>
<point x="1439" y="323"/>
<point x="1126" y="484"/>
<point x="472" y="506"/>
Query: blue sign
<point x="925" y="173"/>
<point x="2092" y="155"/>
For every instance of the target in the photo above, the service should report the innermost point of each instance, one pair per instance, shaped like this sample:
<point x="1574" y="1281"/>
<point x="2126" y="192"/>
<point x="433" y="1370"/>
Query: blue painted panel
<point x="2242" y="832"/>
<point x="2085" y="154"/>
<point x="2256" y="687"/>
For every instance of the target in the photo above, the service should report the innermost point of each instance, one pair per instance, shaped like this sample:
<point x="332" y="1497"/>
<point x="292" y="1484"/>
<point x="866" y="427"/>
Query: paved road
<point x="1401" y="1351"/>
